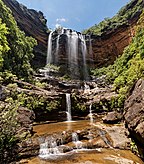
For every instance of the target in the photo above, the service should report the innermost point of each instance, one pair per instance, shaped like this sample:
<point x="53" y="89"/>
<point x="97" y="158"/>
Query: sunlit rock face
<point x="33" y="23"/>
<point x="100" y="50"/>
<point x="107" y="47"/>
<point x="134" y="115"/>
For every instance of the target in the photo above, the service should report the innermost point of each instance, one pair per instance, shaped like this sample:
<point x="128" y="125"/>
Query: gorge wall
<point x="103" y="51"/>
<point x="107" y="47"/>
<point x="33" y="23"/>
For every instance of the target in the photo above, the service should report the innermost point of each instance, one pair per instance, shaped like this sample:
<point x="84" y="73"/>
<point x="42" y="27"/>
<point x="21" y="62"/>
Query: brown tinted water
<point x="106" y="156"/>
<point x="100" y="156"/>
<point x="60" y="127"/>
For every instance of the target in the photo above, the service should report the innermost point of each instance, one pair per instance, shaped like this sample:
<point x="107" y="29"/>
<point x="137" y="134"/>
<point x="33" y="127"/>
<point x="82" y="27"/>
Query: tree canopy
<point x="16" y="48"/>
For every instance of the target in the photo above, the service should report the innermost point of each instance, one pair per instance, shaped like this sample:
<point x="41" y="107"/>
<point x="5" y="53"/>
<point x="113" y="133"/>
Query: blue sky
<point x="75" y="14"/>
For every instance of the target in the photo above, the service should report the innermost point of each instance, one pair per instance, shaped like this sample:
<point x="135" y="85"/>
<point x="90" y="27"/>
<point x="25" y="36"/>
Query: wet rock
<point x="134" y="115"/>
<point x="112" y="117"/>
<point x="97" y="143"/>
<point x="115" y="136"/>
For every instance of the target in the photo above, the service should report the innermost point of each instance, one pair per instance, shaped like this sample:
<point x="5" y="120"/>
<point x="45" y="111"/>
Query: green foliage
<point x="7" y="77"/>
<point x="122" y="18"/>
<point x="78" y="103"/>
<point x="129" y="67"/>
<point x="52" y="68"/>
<point x="31" y="100"/>
<point x="8" y="132"/>
<point x="41" y="84"/>
<point x="17" y="59"/>
<point x="3" y="42"/>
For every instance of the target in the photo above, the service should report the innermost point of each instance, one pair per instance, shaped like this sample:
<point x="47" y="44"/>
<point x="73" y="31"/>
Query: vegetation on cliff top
<point x="16" y="49"/>
<point x="129" y="67"/>
<point x="123" y="17"/>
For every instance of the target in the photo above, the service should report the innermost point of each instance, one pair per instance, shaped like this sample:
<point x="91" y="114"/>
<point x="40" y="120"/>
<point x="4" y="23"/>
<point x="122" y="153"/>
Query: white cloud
<point x="57" y="25"/>
<point x="59" y="20"/>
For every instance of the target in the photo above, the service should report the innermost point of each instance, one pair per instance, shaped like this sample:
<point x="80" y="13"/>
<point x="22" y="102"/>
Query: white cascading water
<point x="75" y="49"/>
<point x="49" y="50"/>
<point x="75" y="140"/>
<point x="49" y="149"/>
<point x="68" y="107"/>
<point x="84" y="53"/>
<point x="91" y="115"/>
<point x="90" y="46"/>
<point x="57" y="49"/>
<point x="72" y="51"/>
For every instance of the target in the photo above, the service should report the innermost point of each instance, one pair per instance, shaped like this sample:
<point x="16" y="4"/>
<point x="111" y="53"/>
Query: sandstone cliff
<point x="33" y="23"/>
<point x="105" y="48"/>
<point x="134" y="115"/>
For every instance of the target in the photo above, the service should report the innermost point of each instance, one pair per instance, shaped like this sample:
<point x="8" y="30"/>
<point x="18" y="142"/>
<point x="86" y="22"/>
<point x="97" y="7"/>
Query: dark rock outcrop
<point x="134" y="115"/>
<point x="25" y="118"/>
<point x="33" y="23"/>
<point x="112" y="117"/>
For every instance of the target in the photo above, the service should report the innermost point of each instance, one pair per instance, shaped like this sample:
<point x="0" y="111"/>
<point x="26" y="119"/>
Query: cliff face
<point x="103" y="51"/>
<point x="107" y="47"/>
<point x="33" y="24"/>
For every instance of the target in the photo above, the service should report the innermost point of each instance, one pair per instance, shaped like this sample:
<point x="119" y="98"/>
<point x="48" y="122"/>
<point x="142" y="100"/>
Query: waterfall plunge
<point x="49" y="149"/>
<point x="75" y="52"/>
<point x="75" y="140"/>
<point x="91" y="115"/>
<point x="49" y="50"/>
<point x="68" y="107"/>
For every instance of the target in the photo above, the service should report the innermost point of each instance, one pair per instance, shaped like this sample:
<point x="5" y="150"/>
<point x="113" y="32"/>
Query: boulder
<point x="112" y="117"/>
<point x="134" y="115"/>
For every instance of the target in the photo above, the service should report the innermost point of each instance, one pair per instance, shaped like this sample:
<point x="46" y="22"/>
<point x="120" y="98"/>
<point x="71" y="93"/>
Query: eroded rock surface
<point x="134" y="115"/>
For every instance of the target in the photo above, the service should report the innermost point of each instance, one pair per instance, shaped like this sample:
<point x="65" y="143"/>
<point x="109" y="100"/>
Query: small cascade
<point x="49" y="149"/>
<point x="75" y="140"/>
<point x="103" y="136"/>
<point x="86" y="88"/>
<point x="91" y="115"/>
<point x="49" y="51"/>
<point x="68" y="107"/>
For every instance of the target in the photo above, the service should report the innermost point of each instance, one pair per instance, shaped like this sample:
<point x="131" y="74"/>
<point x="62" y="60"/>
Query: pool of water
<point x="60" y="127"/>
<point x="87" y="156"/>
<point x="99" y="156"/>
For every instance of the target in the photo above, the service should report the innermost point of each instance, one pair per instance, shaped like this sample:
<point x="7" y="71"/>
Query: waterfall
<point x="84" y="53"/>
<point x="75" y="140"/>
<point x="57" y="49"/>
<point x="90" y="46"/>
<point x="72" y="50"/>
<point x="91" y="115"/>
<point x="75" y="51"/>
<point x="49" y="149"/>
<point x="68" y="107"/>
<point x="49" y="51"/>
